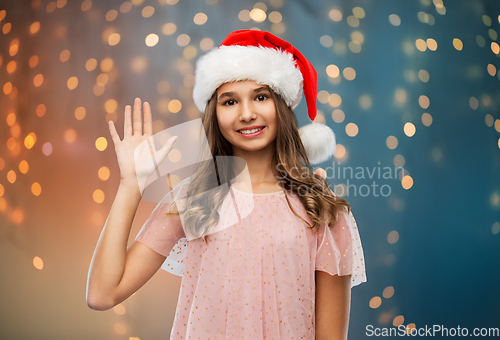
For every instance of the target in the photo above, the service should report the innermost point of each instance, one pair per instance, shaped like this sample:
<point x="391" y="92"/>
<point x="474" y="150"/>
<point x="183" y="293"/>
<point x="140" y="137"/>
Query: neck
<point x="259" y="164"/>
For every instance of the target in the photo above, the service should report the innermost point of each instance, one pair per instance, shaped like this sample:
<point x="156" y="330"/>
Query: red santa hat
<point x="266" y="59"/>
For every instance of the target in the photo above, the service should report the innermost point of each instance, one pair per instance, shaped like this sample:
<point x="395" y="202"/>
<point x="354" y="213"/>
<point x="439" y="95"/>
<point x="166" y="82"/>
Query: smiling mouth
<point x="250" y="131"/>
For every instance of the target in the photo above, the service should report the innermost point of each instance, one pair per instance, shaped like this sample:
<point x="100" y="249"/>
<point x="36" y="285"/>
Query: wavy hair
<point x="292" y="169"/>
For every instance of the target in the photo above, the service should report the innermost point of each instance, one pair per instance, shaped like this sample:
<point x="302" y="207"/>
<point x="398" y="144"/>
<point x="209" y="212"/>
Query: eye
<point x="229" y="102"/>
<point x="261" y="97"/>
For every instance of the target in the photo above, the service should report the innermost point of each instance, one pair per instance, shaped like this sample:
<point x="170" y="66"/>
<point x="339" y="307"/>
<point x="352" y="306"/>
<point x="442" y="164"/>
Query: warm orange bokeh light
<point x="11" y="66"/>
<point x="24" y="166"/>
<point x="38" y="80"/>
<point x="7" y="87"/>
<point x="38" y="263"/>
<point x="33" y="61"/>
<point x="11" y="176"/>
<point x="30" y="140"/>
<point x="375" y="302"/>
<point x="11" y="118"/>
<point x="40" y="110"/>
<point x="35" y="27"/>
<point x="17" y="216"/>
<point x="70" y="135"/>
<point x="36" y="189"/>
<point x="98" y="196"/>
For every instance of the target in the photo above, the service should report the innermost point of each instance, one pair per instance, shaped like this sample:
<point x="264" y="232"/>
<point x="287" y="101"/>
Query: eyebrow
<point x="230" y="94"/>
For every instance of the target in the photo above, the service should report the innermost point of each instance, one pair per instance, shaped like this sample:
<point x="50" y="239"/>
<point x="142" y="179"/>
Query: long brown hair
<point x="292" y="170"/>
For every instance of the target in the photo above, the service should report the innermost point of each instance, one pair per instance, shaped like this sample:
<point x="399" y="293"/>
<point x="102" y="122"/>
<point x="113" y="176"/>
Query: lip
<point x="250" y="127"/>
<point x="251" y="135"/>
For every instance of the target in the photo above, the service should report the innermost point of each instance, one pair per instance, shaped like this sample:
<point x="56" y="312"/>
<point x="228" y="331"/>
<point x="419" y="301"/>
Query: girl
<point x="273" y="259"/>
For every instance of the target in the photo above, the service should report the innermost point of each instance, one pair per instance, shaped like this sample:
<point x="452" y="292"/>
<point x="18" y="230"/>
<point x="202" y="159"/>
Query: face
<point x="246" y="114"/>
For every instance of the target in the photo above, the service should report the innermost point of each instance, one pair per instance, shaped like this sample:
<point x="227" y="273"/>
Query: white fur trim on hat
<point x="267" y="66"/>
<point x="319" y="142"/>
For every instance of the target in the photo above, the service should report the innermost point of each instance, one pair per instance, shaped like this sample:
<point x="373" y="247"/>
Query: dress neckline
<point x="281" y="192"/>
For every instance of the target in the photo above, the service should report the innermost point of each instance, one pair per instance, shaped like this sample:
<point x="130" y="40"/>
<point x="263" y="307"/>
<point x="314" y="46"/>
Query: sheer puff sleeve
<point x="163" y="231"/>
<point x="339" y="250"/>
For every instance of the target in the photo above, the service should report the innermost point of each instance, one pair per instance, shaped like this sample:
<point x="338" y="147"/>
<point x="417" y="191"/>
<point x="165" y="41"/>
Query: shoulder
<point x="175" y="196"/>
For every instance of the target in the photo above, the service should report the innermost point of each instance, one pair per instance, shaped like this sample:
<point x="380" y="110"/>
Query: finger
<point x="163" y="152"/>
<point x="148" y="119"/>
<point x="137" y="117"/>
<point x="127" y="128"/>
<point x="320" y="172"/>
<point x="113" y="132"/>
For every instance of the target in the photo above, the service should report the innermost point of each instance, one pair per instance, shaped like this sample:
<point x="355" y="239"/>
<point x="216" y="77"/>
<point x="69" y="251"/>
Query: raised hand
<point x="136" y="153"/>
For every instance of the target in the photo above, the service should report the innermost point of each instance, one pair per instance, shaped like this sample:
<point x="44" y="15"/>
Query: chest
<point x="260" y="236"/>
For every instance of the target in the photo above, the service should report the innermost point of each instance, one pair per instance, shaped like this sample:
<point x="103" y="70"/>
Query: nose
<point x="247" y="111"/>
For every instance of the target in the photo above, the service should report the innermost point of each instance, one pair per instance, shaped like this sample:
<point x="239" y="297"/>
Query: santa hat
<point x="268" y="60"/>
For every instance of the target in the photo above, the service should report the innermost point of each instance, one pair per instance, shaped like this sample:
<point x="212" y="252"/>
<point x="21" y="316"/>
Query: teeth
<point x="246" y="132"/>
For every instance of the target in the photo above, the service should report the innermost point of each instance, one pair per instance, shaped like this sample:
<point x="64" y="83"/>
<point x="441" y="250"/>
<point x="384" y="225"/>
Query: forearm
<point x="108" y="261"/>
<point x="333" y="304"/>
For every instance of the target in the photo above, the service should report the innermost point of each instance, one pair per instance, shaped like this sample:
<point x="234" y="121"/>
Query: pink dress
<point x="255" y="277"/>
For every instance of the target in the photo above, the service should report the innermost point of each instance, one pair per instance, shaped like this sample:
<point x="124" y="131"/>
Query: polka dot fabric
<point x="255" y="279"/>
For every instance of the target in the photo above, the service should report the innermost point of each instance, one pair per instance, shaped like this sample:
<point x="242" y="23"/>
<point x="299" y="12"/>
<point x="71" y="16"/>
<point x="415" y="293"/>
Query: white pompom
<point x="319" y="142"/>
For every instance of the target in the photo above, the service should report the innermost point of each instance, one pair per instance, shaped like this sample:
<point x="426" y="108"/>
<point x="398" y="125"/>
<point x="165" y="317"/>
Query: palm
<point x="136" y="153"/>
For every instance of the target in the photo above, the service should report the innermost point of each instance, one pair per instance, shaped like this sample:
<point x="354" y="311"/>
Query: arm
<point x="333" y="304"/>
<point x="116" y="272"/>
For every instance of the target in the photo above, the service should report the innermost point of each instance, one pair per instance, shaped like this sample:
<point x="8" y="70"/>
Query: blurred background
<point x="411" y="89"/>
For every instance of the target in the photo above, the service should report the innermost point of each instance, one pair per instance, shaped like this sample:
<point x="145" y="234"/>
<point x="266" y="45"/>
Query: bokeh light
<point x="174" y="155"/>
<point x="394" y="19"/>
<point x="36" y="189"/>
<point x="388" y="292"/>
<point x="30" y="140"/>
<point x="349" y="73"/>
<point x="458" y="44"/>
<point x="335" y="15"/>
<point x="90" y="64"/>
<point x="47" y="149"/>
<point x="183" y="40"/>
<point x="38" y="263"/>
<point x="351" y="129"/>
<point x="101" y="143"/>
<point x="338" y="116"/>
<point x="258" y="15"/>
<point x="70" y="135"/>
<point x="37" y="81"/>
<point x="148" y="11"/>
<point x="104" y="173"/>
<point x="391" y="142"/>
<point x="407" y="182"/>
<point x="200" y="18"/>
<point x="169" y="28"/>
<point x="174" y="106"/>
<point x="426" y="119"/>
<point x="409" y="129"/>
<point x="98" y="196"/>
<point x="333" y="71"/>
<point x="72" y="83"/>
<point x="114" y="39"/>
<point x="398" y="320"/>
<point x="393" y="237"/>
<point x="23" y="166"/>
<point x="375" y="302"/>
<point x="424" y="101"/>
<point x="152" y="39"/>
<point x="340" y="152"/>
